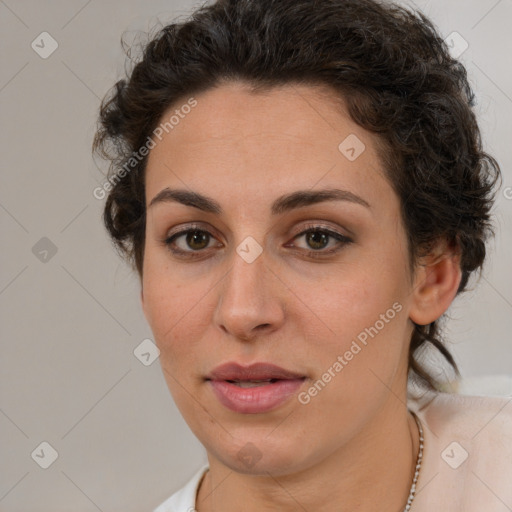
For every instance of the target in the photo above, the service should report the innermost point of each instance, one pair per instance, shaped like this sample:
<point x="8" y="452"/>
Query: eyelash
<point x="342" y="241"/>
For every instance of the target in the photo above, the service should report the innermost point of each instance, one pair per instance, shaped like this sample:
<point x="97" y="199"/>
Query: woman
<point x="302" y="190"/>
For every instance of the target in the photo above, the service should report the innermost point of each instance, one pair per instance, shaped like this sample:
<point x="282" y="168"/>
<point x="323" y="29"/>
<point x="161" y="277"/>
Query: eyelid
<point x="312" y="225"/>
<point x="341" y="239"/>
<point x="184" y="228"/>
<point x="341" y="242"/>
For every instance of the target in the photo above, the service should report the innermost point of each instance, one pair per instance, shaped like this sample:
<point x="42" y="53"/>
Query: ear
<point x="436" y="282"/>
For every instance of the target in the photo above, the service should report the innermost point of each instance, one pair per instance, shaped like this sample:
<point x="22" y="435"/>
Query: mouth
<point x="256" y="372"/>
<point x="251" y="383"/>
<point x="254" y="389"/>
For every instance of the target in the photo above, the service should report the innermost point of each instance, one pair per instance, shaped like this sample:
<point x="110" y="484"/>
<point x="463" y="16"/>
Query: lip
<point x="258" y="399"/>
<point x="255" y="371"/>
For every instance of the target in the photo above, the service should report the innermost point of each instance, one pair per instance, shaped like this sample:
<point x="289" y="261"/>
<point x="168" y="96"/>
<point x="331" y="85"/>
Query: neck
<point x="374" y="471"/>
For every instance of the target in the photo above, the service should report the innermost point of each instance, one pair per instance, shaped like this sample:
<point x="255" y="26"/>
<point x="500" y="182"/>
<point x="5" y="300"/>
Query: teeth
<point x="252" y="383"/>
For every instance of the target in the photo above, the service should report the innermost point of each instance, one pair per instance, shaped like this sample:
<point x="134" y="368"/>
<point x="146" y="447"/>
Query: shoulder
<point x="468" y="452"/>
<point x="452" y="412"/>
<point x="477" y="418"/>
<point x="184" y="500"/>
<point x="479" y="424"/>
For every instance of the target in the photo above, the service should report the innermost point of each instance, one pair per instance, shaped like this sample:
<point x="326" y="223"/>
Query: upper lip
<point x="255" y="371"/>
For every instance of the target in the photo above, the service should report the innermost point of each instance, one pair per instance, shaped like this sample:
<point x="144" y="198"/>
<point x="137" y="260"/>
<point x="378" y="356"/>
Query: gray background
<point x="70" y="323"/>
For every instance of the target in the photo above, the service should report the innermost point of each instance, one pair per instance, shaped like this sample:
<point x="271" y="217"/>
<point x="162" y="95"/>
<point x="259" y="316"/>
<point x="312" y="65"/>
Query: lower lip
<point x="255" y="400"/>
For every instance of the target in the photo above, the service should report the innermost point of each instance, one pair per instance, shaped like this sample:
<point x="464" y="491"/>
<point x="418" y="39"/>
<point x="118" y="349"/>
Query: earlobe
<point x="436" y="284"/>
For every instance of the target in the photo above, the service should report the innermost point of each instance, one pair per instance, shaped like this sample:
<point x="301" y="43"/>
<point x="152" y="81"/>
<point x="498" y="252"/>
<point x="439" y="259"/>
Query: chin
<point x="257" y="456"/>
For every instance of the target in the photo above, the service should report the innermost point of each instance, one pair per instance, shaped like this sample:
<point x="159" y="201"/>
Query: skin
<point x="299" y="312"/>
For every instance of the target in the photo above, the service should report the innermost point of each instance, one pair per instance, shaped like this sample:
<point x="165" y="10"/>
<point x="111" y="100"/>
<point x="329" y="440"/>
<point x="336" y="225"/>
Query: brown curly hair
<point x="390" y="66"/>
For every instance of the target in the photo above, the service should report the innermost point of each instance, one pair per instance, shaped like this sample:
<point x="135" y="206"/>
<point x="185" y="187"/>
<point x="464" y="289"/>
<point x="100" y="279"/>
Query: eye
<point x="189" y="242"/>
<point x="318" y="238"/>
<point x="194" y="241"/>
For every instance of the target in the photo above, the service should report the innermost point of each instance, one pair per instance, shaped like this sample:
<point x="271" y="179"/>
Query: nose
<point x="250" y="301"/>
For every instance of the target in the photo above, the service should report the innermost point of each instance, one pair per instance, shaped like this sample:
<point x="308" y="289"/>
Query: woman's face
<point x="275" y="273"/>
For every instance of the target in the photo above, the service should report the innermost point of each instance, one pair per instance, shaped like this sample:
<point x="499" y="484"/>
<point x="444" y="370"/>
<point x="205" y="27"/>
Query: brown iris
<point x="197" y="240"/>
<point x="317" y="239"/>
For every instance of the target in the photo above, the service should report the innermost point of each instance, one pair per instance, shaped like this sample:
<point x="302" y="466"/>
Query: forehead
<point x="292" y="136"/>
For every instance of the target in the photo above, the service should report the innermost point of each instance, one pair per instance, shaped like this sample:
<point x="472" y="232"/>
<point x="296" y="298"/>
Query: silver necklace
<point x="412" y="492"/>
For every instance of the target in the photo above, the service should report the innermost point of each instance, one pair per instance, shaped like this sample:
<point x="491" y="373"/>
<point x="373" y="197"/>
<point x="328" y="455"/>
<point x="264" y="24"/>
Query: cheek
<point x="360" y="316"/>
<point x="351" y="300"/>
<point x="175" y="312"/>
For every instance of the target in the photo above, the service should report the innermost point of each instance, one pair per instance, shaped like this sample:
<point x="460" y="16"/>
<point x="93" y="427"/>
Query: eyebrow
<point x="282" y="204"/>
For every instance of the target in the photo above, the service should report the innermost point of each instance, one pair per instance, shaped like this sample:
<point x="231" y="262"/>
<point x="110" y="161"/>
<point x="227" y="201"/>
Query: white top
<point x="467" y="457"/>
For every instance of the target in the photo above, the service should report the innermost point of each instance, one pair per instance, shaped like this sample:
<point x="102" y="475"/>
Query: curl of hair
<point x="387" y="63"/>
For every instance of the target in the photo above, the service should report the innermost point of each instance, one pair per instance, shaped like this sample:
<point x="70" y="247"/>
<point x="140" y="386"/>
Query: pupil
<point x="319" y="238"/>
<point x="197" y="237"/>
